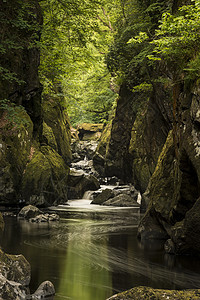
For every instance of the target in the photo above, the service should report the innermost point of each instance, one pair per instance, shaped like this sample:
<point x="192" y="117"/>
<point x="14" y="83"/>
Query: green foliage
<point x="75" y="39"/>
<point x="18" y="30"/>
<point x="178" y="39"/>
<point x="128" y="56"/>
<point x="13" y="115"/>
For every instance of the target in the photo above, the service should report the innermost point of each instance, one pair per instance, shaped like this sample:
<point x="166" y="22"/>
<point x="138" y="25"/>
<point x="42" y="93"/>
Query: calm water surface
<point x="93" y="252"/>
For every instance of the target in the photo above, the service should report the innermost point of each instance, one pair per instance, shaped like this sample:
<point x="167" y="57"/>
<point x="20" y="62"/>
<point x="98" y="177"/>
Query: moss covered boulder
<point x="45" y="179"/>
<point x="15" y="149"/>
<point x="148" y="293"/>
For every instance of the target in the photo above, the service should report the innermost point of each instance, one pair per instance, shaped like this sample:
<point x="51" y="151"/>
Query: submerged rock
<point x="143" y="292"/>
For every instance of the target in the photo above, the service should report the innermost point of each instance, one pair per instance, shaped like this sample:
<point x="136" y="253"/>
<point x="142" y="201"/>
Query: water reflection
<point x="92" y="255"/>
<point x="85" y="276"/>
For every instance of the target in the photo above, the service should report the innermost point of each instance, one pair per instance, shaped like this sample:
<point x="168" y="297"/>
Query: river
<point x="93" y="252"/>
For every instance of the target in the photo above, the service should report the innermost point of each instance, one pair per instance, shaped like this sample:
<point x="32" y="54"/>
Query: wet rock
<point x="169" y="247"/>
<point x="11" y="290"/>
<point x="15" y="268"/>
<point x="103" y="196"/>
<point x="151" y="228"/>
<point x="29" y="211"/>
<point x="122" y="200"/>
<point x="79" y="183"/>
<point x="46" y="289"/>
<point x="83" y="149"/>
<point x="143" y="292"/>
<point x="45" y="218"/>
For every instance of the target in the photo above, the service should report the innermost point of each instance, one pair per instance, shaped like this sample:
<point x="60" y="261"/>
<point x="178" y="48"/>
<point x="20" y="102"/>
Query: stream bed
<point x="93" y="252"/>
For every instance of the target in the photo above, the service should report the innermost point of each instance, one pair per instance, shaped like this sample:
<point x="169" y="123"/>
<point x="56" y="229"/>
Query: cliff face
<point x="35" y="137"/>
<point x="174" y="187"/>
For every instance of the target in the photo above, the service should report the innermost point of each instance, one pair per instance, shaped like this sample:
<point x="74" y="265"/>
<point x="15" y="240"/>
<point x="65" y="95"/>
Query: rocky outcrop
<point x="34" y="137"/>
<point x="143" y="292"/>
<point x="33" y="214"/>
<point x="88" y="131"/>
<point x="173" y="191"/>
<point x="122" y="200"/>
<point x="80" y="182"/>
<point x="131" y="143"/>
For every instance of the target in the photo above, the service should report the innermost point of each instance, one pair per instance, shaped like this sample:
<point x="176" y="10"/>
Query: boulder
<point x="45" y="218"/>
<point x="103" y="196"/>
<point x="79" y="183"/>
<point x="29" y="211"/>
<point x="122" y="200"/>
<point x="15" y="268"/>
<point x="11" y="290"/>
<point x="46" y="289"/>
<point x="143" y="292"/>
<point x="45" y="180"/>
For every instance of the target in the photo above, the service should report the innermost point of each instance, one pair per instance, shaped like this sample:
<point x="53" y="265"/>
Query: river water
<point x="93" y="252"/>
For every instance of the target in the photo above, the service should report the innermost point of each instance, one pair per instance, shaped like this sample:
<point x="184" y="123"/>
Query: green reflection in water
<point x="86" y="273"/>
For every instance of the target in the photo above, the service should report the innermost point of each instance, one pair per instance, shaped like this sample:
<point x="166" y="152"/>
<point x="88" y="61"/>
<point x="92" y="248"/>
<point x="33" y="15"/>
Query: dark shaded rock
<point x="1" y="223"/>
<point x="83" y="149"/>
<point x="46" y="289"/>
<point x="29" y="211"/>
<point x="143" y="292"/>
<point x="122" y="200"/>
<point x="79" y="184"/>
<point x="103" y="196"/>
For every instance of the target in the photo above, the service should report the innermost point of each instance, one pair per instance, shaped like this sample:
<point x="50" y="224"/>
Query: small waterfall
<point x="88" y="195"/>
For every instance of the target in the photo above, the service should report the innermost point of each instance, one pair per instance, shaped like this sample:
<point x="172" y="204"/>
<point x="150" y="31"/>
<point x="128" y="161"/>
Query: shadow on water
<point x="94" y="252"/>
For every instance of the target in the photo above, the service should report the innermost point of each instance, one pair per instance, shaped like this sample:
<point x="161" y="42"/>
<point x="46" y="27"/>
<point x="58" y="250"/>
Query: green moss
<point x="57" y="119"/>
<point x="102" y="147"/>
<point x="14" y="154"/>
<point x="49" y="137"/>
<point x="45" y="179"/>
<point x="156" y="294"/>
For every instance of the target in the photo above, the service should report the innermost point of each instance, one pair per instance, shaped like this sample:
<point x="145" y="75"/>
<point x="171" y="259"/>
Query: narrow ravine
<point x="93" y="252"/>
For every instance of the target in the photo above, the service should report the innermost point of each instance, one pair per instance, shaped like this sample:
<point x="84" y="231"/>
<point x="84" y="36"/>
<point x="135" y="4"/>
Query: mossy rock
<point x="148" y="293"/>
<point x="49" y="137"/>
<point x="45" y="180"/>
<point x="57" y="119"/>
<point x="15" y="148"/>
<point x="15" y="268"/>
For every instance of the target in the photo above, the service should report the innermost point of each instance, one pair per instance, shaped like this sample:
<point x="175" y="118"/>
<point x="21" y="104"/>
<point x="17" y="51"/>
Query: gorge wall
<point x="35" y="134"/>
<point x="153" y="142"/>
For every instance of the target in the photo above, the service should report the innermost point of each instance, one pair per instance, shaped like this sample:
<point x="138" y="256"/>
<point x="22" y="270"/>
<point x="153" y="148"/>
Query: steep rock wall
<point x="35" y="141"/>
<point x="174" y="188"/>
